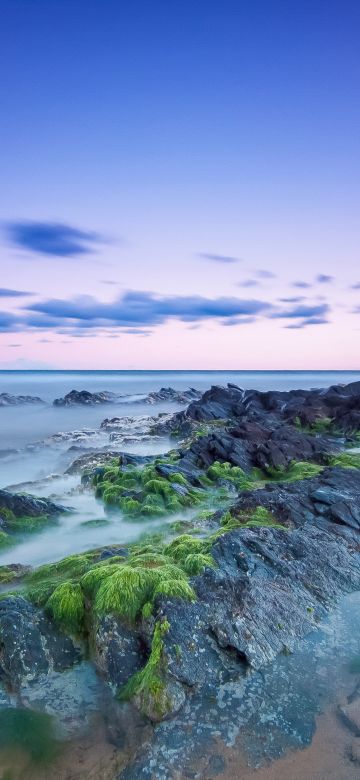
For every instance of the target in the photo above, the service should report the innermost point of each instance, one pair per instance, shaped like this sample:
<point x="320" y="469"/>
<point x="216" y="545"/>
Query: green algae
<point x="234" y="474"/>
<point x="66" y="606"/>
<point x="148" y="685"/>
<point x="145" y="492"/>
<point x="297" y="470"/>
<point x="347" y="460"/>
<point x="259" y="517"/>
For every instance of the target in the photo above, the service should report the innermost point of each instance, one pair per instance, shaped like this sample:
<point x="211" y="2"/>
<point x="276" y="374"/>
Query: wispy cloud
<point x="324" y="278"/>
<point x="52" y="238"/>
<point x="264" y="274"/>
<point x="138" y="309"/>
<point x="296" y="299"/>
<point x="218" y="258"/>
<point x="305" y="311"/>
<point x="5" y="292"/>
<point x="302" y="285"/>
<point x="249" y="283"/>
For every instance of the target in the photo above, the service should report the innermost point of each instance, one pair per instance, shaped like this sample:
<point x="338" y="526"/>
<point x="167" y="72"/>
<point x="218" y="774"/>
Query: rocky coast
<point x="257" y="510"/>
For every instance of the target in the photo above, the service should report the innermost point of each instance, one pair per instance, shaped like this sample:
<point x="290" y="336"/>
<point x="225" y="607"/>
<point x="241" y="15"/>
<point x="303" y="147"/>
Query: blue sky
<point x="144" y="145"/>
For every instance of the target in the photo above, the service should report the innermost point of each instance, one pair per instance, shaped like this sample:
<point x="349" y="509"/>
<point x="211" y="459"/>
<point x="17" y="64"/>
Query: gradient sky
<point x="179" y="184"/>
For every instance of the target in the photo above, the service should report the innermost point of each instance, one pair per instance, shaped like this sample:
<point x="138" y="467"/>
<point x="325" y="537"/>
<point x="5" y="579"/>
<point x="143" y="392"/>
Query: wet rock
<point x="270" y="588"/>
<point x="341" y="404"/>
<point x="22" y="505"/>
<point x="355" y="751"/>
<point x="119" y="650"/>
<point x="162" y="705"/>
<point x="72" y="697"/>
<point x="30" y="645"/>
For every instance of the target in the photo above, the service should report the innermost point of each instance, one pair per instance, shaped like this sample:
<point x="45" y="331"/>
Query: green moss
<point x="175" y="588"/>
<point x="184" y="545"/>
<point x="28" y="524"/>
<point x="125" y="592"/>
<point x="322" y="425"/>
<point x="259" y="517"/>
<point x="5" y="539"/>
<point x="178" y="478"/>
<point x="95" y="523"/>
<point x="347" y="460"/>
<point x="147" y="610"/>
<point x="296" y="470"/>
<point x="148" y="685"/>
<point x="66" y="606"/>
<point x="234" y="474"/>
<point x="7" y="575"/>
<point x="195" y="563"/>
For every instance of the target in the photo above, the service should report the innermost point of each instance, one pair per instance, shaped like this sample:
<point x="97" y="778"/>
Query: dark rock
<point x="119" y="651"/>
<point x="25" y="505"/>
<point x="29" y="644"/>
<point x="85" y="398"/>
<point x="6" y="399"/>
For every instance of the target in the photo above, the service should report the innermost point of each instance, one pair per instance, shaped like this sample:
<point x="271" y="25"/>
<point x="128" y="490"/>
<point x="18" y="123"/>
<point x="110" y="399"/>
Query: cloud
<point x="52" y="238"/>
<point x="324" y="278"/>
<point x="355" y="286"/>
<point x="6" y="293"/>
<point x="231" y="321"/>
<point x="263" y="274"/>
<point x="302" y="285"/>
<point x="218" y="258"/>
<point x="302" y="312"/>
<point x="136" y="309"/>
<point x="8" y="322"/>
<point x="249" y="283"/>
<point x="296" y="299"/>
<point x="308" y="321"/>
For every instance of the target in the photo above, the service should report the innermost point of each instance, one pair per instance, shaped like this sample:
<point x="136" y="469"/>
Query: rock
<point x="119" y="650"/>
<point x="160" y="707"/>
<point x="351" y="715"/>
<point x="85" y="398"/>
<point x="341" y="404"/>
<point x="6" y="399"/>
<point x="355" y="750"/>
<point x="22" y="505"/>
<point x="30" y="645"/>
<point x="177" y="396"/>
<point x="99" y="458"/>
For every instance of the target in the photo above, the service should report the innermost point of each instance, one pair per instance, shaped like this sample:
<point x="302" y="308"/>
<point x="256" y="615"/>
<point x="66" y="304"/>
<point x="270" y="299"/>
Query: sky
<point x="180" y="184"/>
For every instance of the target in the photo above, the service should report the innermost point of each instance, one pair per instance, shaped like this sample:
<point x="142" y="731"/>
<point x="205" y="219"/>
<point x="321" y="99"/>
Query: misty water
<point x="35" y="456"/>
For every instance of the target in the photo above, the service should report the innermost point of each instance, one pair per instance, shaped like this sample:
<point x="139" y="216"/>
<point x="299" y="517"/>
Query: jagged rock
<point x="6" y="399"/>
<point x="119" y="650"/>
<point x="269" y="588"/>
<point x="85" y="398"/>
<point x="339" y="403"/>
<point x="93" y="460"/>
<point x="169" y="394"/>
<point x="30" y="645"/>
